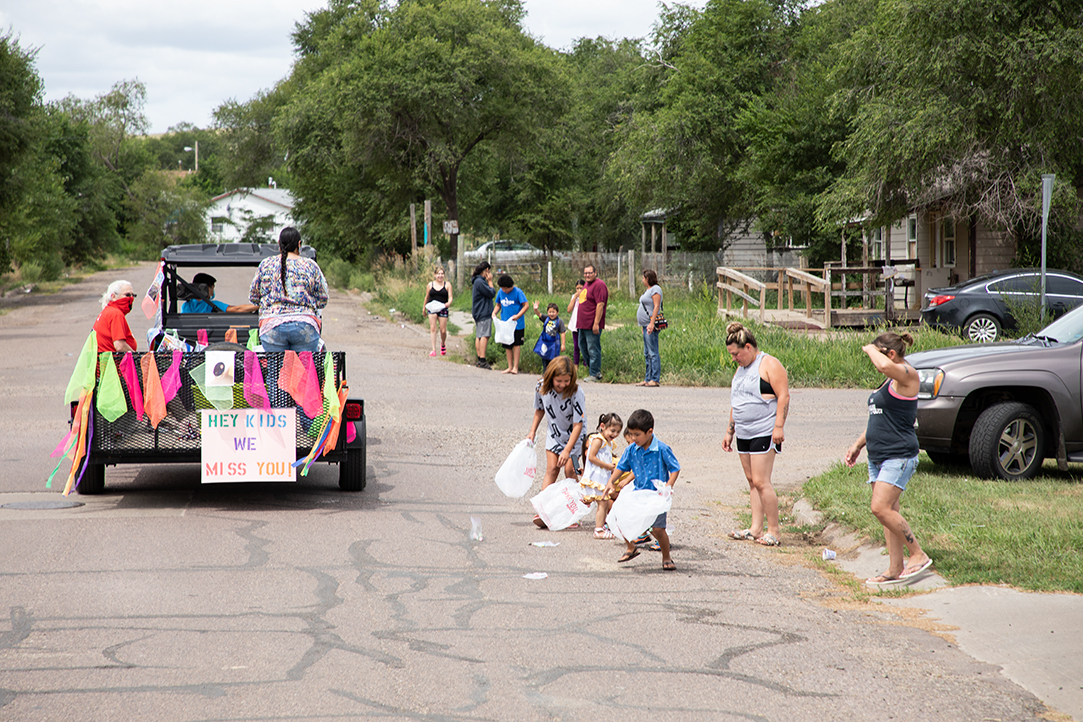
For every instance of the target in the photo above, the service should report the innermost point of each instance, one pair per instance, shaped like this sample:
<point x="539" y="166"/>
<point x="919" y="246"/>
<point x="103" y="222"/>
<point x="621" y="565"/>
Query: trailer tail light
<point x="354" y="410"/>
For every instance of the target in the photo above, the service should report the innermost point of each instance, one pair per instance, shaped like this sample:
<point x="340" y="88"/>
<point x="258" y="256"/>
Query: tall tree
<point x="967" y="102"/>
<point x="404" y="94"/>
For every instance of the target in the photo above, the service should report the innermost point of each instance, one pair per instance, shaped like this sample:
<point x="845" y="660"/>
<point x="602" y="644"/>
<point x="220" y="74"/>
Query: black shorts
<point x="519" y="334"/>
<point x="758" y="445"/>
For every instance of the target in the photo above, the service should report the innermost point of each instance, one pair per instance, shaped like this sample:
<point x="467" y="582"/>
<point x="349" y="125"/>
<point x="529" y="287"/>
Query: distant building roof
<point x="277" y="196"/>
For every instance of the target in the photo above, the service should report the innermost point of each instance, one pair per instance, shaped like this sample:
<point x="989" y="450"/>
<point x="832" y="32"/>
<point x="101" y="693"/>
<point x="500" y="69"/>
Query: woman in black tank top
<point x="437" y="293"/>
<point x="893" y="455"/>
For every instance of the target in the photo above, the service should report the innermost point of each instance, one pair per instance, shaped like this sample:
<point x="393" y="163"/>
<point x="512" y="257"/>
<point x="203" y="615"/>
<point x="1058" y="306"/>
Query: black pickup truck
<point x="177" y="436"/>
<point x="1004" y="407"/>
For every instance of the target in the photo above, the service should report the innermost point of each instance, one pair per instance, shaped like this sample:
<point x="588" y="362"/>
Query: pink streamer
<point x="171" y="382"/>
<point x="351" y="432"/>
<point x="310" y="391"/>
<point x="255" y="392"/>
<point x="201" y="337"/>
<point x="131" y="380"/>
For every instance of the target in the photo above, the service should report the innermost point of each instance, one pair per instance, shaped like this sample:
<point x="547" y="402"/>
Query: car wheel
<point x="93" y="481"/>
<point x="351" y="472"/>
<point x="982" y="328"/>
<point x="1007" y="441"/>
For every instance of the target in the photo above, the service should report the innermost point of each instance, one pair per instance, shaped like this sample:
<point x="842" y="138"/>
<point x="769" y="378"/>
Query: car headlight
<point x="929" y="383"/>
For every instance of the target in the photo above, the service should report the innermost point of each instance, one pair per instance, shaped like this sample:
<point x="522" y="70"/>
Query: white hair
<point x="113" y="291"/>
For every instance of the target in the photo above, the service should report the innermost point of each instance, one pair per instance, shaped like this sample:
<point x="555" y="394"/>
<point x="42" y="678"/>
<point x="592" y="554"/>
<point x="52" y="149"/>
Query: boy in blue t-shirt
<point x="649" y="460"/>
<point x="511" y="304"/>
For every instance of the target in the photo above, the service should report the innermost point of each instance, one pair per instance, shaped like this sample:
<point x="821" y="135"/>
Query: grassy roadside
<point x="1028" y="534"/>
<point x="692" y="348"/>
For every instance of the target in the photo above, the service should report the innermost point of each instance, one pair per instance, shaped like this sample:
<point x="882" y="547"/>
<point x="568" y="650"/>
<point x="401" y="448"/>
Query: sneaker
<point x="643" y="538"/>
<point x="443" y="350"/>
<point x="486" y="365"/>
<point x="587" y="379"/>
<point x="432" y="353"/>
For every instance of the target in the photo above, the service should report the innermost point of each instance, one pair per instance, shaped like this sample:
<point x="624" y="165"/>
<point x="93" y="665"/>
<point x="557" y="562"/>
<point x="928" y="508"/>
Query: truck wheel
<point x="982" y="328"/>
<point x="93" y="480"/>
<point x="1008" y="441"/>
<point x="351" y="472"/>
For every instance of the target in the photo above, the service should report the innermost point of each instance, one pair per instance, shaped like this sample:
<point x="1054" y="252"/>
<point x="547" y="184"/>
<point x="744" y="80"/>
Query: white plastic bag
<point x="561" y="504"/>
<point x="635" y="510"/>
<point x="435" y="306"/>
<point x="516" y="475"/>
<point x="503" y="331"/>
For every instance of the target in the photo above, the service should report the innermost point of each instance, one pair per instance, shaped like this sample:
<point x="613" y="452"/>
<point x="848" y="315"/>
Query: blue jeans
<point x="896" y="472"/>
<point x="590" y="346"/>
<point x="650" y="356"/>
<point x="291" y="336"/>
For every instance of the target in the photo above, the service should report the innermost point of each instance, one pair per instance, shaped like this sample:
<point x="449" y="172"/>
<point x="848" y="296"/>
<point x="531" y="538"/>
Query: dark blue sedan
<point x="981" y="307"/>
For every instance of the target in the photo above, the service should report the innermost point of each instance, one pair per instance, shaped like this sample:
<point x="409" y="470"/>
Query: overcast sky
<point x="194" y="55"/>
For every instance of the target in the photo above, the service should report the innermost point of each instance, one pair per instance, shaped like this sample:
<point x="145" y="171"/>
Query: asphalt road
<point x="165" y="599"/>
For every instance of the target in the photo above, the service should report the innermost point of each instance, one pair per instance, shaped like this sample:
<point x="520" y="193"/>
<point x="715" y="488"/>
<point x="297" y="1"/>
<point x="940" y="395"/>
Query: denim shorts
<point x="893" y="471"/>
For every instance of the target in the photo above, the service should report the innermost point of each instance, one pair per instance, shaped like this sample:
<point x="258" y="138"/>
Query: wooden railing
<point x="726" y="291"/>
<point x="806" y="284"/>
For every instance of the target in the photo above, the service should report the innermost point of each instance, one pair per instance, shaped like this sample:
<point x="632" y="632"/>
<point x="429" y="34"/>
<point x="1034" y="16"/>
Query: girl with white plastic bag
<point x="516" y="474"/>
<point x="560" y="402"/>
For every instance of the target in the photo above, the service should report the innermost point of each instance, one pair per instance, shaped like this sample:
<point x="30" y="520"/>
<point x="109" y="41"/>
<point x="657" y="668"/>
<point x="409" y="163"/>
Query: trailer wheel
<point x="351" y="472"/>
<point x="93" y="480"/>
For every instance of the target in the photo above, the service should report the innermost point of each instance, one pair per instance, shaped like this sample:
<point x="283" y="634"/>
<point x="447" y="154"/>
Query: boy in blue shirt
<point x="511" y="304"/>
<point x="649" y="460"/>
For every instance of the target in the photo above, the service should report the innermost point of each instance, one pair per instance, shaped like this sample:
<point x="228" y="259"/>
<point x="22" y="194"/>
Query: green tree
<point x="964" y="102"/>
<point x="685" y="151"/>
<point x="250" y="152"/>
<point x="393" y="100"/>
<point x="163" y="213"/>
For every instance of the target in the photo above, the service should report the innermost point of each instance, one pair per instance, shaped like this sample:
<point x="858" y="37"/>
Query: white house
<point x="268" y="210"/>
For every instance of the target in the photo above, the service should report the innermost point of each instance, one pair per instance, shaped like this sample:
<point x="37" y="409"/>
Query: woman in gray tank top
<point x="759" y="404"/>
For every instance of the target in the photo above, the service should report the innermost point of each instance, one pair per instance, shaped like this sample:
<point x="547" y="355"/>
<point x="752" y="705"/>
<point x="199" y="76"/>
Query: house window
<point x="912" y="237"/>
<point x="216" y="228"/>
<point x="947" y="240"/>
<point x="876" y="244"/>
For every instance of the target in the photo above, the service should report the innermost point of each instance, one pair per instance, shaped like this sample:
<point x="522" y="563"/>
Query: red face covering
<point x="124" y="303"/>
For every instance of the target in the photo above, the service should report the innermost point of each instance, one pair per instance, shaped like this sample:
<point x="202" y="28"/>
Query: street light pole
<point x="189" y="149"/>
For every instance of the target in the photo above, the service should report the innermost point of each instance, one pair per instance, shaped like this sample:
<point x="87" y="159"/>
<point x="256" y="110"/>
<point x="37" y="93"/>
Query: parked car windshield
<point x="1066" y="329"/>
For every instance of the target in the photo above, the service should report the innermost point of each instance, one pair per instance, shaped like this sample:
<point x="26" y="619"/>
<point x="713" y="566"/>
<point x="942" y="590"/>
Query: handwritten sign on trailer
<point x="248" y="445"/>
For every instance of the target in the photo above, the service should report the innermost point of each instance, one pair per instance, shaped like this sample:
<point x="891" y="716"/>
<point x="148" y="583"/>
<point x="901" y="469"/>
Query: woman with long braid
<point x="290" y="291"/>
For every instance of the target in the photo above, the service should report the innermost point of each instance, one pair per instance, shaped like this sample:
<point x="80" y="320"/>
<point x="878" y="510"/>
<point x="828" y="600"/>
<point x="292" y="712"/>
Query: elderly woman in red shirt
<point x="111" y="327"/>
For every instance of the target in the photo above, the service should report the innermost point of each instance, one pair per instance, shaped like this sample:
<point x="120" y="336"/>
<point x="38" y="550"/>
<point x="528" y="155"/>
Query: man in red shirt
<point x="591" y="322"/>
<point x="111" y="327"/>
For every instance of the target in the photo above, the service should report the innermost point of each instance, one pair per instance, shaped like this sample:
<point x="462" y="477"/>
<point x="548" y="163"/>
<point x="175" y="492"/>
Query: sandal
<point x="602" y="532"/>
<point x="882" y="579"/>
<point x="628" y="556"/>
<point x="432" y="353"/>
<point x="643" y="538"/>
<point x="539" y="523"/>
<point x="769" y="540"/>
<point x="653" y="547"/>
<point x="743" y="535"/>
<point x="443" y="350"/>
<point x="669" y="566"/>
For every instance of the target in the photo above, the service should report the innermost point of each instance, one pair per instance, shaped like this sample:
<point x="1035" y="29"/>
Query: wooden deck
<point x="840" y="318"/>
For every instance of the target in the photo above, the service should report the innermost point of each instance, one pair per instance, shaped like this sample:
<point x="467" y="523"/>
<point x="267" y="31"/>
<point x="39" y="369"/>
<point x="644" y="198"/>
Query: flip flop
<point x="539" y="523"/>
<point x="769" y="540"/>
<point x="881" y="580"/>
<point x="628" y="556"/>
<point x="669" y="566"/>
<point x="916" y="571"/>
<point x="743" y="535"/>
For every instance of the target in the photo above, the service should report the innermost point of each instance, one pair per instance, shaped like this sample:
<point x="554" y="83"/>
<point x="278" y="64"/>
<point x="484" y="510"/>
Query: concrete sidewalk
<point x="1035" y="638"/>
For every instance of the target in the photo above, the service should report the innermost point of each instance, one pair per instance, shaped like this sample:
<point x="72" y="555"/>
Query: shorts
<point x="896" y="472"/>
<point x="758" y="445"/>
<point x="519" y="334"/>
<point x="577" y="452"/>
<point x="439" y="314"/>
<point x="483" y="328"/>
<point x="659" y="522"/>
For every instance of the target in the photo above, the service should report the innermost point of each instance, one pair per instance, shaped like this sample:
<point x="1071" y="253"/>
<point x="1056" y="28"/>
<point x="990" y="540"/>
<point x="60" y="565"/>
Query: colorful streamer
<point x="111" y="402"/>
<point x="154" y="400"/>
<point x="255" y="391"/>
<point x="171" y="382"/>
<point x="86" y="366"/>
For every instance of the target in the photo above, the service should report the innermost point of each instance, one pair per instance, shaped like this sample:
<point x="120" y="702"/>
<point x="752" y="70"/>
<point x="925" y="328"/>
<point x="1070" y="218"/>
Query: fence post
<point x="618" y="271"/>
<point x="690" y="280"/>
<point x="550" y="265"/>
<point x="631" y="273"/>
<point x="827" y="296"/>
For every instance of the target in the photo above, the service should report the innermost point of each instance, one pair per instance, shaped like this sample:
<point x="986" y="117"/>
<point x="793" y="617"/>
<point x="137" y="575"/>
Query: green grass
<point x="1028" y="534"/>
<point x="692" y="348"/>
